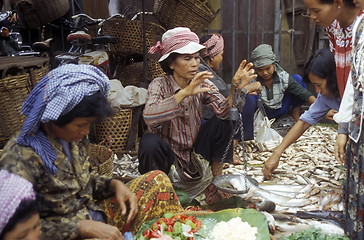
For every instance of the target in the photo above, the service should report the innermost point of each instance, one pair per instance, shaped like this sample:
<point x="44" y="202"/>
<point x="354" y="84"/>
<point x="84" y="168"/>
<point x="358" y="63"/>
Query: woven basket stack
<point x="19" y="76"/>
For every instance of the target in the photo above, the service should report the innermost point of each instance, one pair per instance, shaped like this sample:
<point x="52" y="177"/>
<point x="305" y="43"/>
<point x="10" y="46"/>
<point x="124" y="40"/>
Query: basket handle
<point x="107" y="143"/>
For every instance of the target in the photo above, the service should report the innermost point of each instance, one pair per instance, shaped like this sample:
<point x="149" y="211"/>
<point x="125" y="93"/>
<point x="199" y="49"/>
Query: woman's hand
<point x="341" y="141"/>
<point x="253" y="88"/>
<point x="270" y="165"/>
<point x="330" y="114"/>
<point x="194" y="87"/>
<point x="244" y="74"/>
<point x="100" y="230"/>
<point x="123" y="195"/>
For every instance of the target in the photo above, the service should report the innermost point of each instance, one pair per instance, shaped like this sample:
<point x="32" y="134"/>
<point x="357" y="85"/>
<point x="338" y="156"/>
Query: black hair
<point x="26" y="209"/>
<point x="347" y="2"/>
<point x="95" y="105"/>
<point x="322" y="64"/>
<point x="166" y="62"/>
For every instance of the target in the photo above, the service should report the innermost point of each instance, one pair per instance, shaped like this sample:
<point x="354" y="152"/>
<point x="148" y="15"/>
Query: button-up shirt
<point x="178" y="124"/>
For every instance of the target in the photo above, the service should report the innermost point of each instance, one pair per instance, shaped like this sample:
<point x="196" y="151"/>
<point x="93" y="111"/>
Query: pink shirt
<point x="341" y="45"/>
<point x="178" y="124"/>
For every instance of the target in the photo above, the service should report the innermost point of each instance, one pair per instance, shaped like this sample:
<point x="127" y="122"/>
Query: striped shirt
<point x="178" y="124"/>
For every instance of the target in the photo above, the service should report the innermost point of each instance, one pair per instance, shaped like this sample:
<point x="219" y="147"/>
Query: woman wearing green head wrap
<point x="281" y="92"/>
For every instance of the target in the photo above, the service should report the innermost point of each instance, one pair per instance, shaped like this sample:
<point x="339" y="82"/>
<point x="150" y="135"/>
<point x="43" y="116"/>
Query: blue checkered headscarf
<point x="55" y="95"/>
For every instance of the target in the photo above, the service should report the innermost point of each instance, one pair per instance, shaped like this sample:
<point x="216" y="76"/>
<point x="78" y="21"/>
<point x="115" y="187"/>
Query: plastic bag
<point x="129" y="96"/>
<point x="264" y="133"/>
<point x="194" y="185"/>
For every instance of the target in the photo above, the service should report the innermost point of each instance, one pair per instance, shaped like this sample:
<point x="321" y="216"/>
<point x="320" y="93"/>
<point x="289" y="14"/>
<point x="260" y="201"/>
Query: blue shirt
<point x="319" y="108"/>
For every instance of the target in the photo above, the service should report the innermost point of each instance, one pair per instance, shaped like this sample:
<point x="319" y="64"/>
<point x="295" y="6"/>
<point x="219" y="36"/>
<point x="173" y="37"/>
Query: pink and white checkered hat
<point x="177" y="40"/>
<point x="13" y="189"/>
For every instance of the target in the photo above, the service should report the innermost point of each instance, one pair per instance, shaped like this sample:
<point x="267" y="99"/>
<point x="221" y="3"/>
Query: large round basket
<point x="129" y="34"/>
<point x="115" y="129"/>
<point x="35" y="13"/>
<point x="194" y="14"/>
<point x="19" y="76"/>
<point x="101" y="159"/>
<point x="133" y="73"/>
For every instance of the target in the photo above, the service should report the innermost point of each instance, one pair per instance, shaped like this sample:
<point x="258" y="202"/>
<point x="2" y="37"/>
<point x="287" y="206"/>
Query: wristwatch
<point x="243" y="91"/>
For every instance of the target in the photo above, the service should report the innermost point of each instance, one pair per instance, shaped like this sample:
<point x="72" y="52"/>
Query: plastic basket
<point x="115" y="128"/>
<point x="19" y="76"/>
<point x="194" y="14"/>
<point x="129" y="34"/>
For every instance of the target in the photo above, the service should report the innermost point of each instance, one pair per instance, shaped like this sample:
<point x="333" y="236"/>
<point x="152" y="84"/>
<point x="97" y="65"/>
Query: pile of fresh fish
<point x="308" y="179"/>
<point x="126" y="165"/>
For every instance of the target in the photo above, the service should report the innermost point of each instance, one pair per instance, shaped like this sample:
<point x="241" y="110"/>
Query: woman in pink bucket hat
<point x="173" y="114"/>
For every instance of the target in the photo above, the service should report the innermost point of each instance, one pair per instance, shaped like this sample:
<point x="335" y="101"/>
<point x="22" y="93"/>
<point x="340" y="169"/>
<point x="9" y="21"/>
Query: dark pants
<point x="289" y="101"/>
<point x="247" y="115"/>
<point x="211" y="143"/>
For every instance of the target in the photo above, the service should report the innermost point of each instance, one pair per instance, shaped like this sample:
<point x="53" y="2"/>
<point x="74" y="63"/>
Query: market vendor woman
<point x="173" y="111"/>
<point x="320" y="70"/>
<point x="51" y="153"/>
<point x="282" y="94"/>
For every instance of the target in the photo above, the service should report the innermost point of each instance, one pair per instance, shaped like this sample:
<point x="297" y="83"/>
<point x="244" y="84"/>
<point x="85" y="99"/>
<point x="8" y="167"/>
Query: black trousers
<point x="212" y="140"/>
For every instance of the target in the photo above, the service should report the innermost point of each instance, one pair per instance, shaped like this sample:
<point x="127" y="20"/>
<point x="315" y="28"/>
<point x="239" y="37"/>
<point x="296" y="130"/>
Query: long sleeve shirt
<point x="67" y="195"/>
<point x="178" y="124"/>
<point x="319" y="108"/>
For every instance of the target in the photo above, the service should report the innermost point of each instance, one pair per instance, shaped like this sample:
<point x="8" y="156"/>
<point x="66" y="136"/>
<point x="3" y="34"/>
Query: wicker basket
<point x="116" y="128"/>
<point x="129" y="34"/>
<point x="35" y="13"/>
<point x="20" y="74"/>
<point x="133" y="74"/>
<point x="194" y="14"/>
<point x="101" y="159"/>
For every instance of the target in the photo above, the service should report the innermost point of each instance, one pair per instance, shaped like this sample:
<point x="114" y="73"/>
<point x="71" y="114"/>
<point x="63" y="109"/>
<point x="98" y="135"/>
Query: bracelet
<point x="243" y="91"/>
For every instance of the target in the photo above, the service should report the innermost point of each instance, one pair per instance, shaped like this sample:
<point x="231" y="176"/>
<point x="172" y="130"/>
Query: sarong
<point x="156" y="196"/>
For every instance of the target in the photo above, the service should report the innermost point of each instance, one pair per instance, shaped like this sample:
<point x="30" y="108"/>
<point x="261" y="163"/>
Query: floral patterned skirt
<point x="354" y="190"/>
<point x="156" y="196"/>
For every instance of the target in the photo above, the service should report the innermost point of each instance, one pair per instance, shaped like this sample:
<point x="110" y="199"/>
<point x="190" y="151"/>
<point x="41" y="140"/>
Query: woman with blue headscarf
<point x="51" y="152"/>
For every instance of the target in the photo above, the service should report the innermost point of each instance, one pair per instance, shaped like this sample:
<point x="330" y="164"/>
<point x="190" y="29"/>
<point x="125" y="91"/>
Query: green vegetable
<point x="189" y="222"/>
<point x="177" y="228"/>
<point x="168" y="215"/>
<point x="168" y="233"/>
<point x="163" y="225"/>
<point x="314" y="234"/>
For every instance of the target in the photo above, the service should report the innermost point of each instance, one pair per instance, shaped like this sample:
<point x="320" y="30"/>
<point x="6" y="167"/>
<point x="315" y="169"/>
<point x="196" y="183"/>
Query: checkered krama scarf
<point x="55" y="95"/>
<point x="214" y="46"/>
<point x="13" y="190"/>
